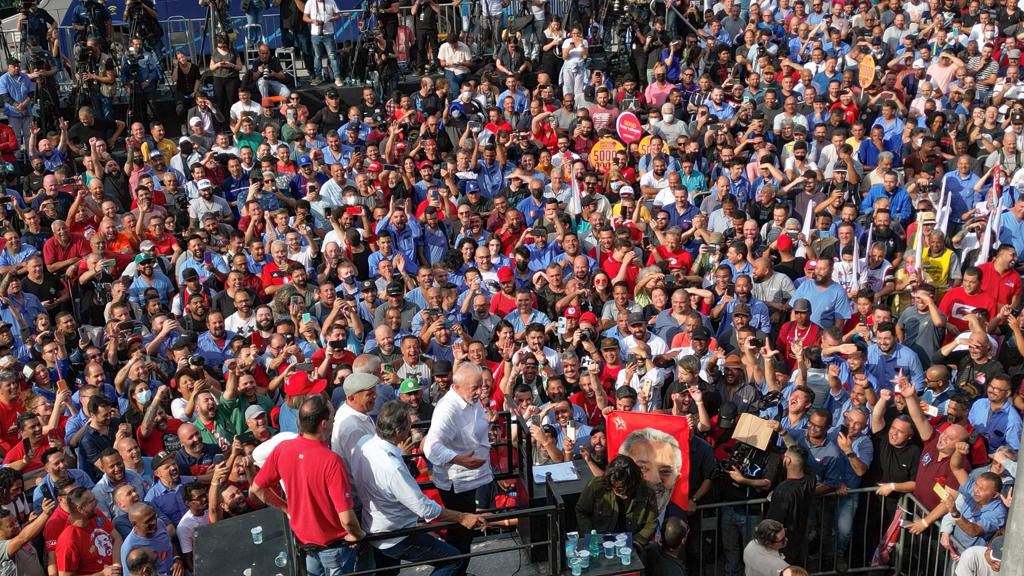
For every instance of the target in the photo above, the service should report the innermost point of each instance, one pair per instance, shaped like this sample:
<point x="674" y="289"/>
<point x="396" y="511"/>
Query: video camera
<point x="766" y="401"/>
<point x="750" y="461"/>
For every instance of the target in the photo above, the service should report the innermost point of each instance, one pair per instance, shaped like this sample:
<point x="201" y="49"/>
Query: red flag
<point x="659" y="443"/>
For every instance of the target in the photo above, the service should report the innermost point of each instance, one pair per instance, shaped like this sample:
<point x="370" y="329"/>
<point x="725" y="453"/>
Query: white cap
<point x="204" y="183"/>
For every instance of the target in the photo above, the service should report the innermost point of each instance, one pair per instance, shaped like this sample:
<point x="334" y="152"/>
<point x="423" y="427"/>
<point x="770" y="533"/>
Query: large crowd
<point x="803" y="211"/>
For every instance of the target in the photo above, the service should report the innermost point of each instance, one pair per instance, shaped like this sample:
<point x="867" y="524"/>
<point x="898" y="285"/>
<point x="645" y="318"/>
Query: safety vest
<point x="938" y="267"/>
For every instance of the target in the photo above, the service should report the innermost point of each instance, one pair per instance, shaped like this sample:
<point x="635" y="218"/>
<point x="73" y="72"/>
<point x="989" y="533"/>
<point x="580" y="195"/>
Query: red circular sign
<point x="629" y="128"/>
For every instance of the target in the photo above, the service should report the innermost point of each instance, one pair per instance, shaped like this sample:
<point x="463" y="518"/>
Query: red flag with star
<point x="660" y="445"/>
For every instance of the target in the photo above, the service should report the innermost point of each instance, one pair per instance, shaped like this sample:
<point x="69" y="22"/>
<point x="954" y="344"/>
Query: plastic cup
<point x="281" y="560"/>
<point x="609" y="550"/>
<point x="575" y="566"/>
<point x="572" y="538"/>
<point x="584" y="558"/>
<point x="626" y="555"/>
<point x="257" y="535"/>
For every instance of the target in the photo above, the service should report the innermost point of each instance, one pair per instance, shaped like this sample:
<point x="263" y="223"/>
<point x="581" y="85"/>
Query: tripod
<point x="213" y="26"/>
<point x="368" y="14"/>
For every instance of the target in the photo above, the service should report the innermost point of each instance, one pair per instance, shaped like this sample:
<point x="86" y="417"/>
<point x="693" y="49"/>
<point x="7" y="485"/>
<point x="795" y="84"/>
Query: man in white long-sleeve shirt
<point x="458" y="447"/>
<point x="352" y="420"/>
<point x="392" y="500"/>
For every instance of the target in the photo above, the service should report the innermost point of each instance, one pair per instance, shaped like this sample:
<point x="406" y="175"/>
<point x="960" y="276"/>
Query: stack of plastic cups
<point x="625" y="555"/>
<point x="584" y="557"/>
<point x="620" y="542"/>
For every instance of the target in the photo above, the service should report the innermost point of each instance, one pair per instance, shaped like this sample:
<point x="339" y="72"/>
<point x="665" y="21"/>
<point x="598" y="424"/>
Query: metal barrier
<point x="719" y="532"/>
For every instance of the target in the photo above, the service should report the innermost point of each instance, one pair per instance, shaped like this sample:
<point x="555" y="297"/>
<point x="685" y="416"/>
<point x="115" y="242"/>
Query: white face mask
<point x="466" y="96"/>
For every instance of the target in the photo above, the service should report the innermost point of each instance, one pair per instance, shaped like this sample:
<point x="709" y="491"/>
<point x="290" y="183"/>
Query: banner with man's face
<point x="660" y="445"/>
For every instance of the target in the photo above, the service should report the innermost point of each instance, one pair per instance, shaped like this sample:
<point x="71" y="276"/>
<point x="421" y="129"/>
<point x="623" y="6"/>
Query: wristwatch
<point x="851" y="455"/>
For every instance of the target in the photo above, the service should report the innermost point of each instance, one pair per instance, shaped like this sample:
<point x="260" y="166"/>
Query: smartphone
<point x="83" y="333"/>
<point x="630" y="358"/>
<point x="844" y="430"/>
<point x="435" y="195"/>
<point x="304" y="367"/>
<point x="389" y="368"/>
<point x="354" y="210"/>
<point x="208" y="258"/>
<point x="298" y="300"/>
<point x="931" y="411"/>
<point x="109" y="263"/>
<point x="62" y="385"/>
<point x="306" y="317"/>
<point x="561" y="325"/>
<point x="47" y="492"/>
<point x="27" y="372"/>
<point x="26" y="446"/>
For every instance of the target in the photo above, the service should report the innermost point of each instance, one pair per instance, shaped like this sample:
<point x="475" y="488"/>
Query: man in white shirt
<point x="245" y="104"/>
<point x="453" y="56"/>
<point x="459" y="448"/>
<point x="321" y="16"/>
<point x="392" y="499"/>
<point x="352" y="420"/>
<point x="243" y="321"/>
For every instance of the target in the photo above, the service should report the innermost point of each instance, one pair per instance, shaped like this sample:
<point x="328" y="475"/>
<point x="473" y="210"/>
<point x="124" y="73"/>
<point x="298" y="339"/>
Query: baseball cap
<point x="588" y="317"/>
<point x="627" y="191"/>
<point x="472" y="187"/>
<point x="700" y="333"/>
<point x="425" y="164"/>
<point x="409" y="385"/>
<point x="1013" y="53"/>
<point x="635" y="318"/>
<point x="254" y="411"/>
<point x="802" y="305"/>
<point x="608" y="343"/>
<point x="368" y="285"/>
<point x="190" y="274"/>
<point x="810" y="265"/>
<point x="727" y="415"/>
<point x="204" y="183"/>
<point x="394" y="289"/>
<point x="375" y="167"/>
<point x="741" y="309"/>
<point x="505" y="274"/>
<point x="919" y="64"/>
<point x="357" y="382"/>
<point x="538" y="231"/>
<point x="195" y="121"/>
<point x="161" y="459"/>
<point x="572" y="312"/>
<point x="305" y="161"/>
<point x="184" y="139"/>
<point x="147" y="245"/>
<point x="156" y="152"/>
<point x="144" y="259"/>
<point x="441" y="368"/>
<point x="784" y="243"/>
<point x="299" y="384"/>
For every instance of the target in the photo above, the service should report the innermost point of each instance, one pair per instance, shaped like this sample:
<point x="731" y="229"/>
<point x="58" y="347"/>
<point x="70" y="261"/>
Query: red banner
<point x="629" y="128"/>
<point x="660" y="445"/>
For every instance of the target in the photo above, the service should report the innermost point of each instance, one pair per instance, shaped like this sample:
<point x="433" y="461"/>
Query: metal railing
<point x="552" y="511"/>
<point x="719" y="532"/>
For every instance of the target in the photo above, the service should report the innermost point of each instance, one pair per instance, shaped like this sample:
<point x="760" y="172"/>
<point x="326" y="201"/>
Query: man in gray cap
<point x="352" y="420"/>
<point x="256" y="421"/>
<point x="981" y="560"/>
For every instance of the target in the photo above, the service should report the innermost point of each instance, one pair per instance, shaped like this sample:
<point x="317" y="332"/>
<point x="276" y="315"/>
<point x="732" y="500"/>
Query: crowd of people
<point x="816" y="221"/>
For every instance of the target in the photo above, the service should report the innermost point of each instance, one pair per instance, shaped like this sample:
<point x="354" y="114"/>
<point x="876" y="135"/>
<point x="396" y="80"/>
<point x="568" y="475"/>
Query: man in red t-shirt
<point x="505" y="301"/>
<point x="63" y="249"/>
<point x="999" y="279"/>
<point x="277" y="272"/>
<point x="962" y="300"/>
<point x="620" y="266"/>
<point x="319" y="505"/>
<point x="939" y="456"/>
<point x="89" y="542"/>
<point x="673" y="252"/>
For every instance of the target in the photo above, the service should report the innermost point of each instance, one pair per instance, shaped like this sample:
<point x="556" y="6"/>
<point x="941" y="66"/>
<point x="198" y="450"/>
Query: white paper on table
<point x="561" y="472"/>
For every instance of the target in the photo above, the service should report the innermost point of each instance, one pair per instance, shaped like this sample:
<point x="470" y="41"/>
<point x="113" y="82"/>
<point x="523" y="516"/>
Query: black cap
<point x="741" y="309"/>
<point x="635" y="318"/>
<point x="441" y="368"/>
<point x="395" y="289"/>
<point x="190" y="274"/>
<point x="727" y="415"/>
<point x="369" y="285"/>
<point x="700" y="333"/>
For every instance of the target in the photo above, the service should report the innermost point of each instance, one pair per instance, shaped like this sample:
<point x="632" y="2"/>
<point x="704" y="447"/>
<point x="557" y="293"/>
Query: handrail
<point x="553" y="541"/>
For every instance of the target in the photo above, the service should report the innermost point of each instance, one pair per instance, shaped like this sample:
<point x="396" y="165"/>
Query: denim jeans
<point x="268" y="88"/>
<point x="254" y="16"/>
<point x="420" y="547"/>
<point x="323" y="44"/>
<point x="846" y="509"/>
<point x="454" y="82"/>
<point x="738" y="524"/>
<point x="337" y="561"/>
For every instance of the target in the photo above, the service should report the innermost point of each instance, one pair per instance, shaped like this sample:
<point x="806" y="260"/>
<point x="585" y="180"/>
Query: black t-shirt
<point x="329" y="120"/>
<point x="791" y="505"/>
<point x="49" y="289"/>
<point x="426" y="18"/>
<point x="79" y="134"/>
<point x="892" y="464"/>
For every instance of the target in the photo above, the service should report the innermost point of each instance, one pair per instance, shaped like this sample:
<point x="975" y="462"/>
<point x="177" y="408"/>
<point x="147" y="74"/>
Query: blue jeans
<point x="254" y="16"/>
<point x="420" y="547"/>
<point x="846" y="509"/>
<point x="325" y="44"/>
<point x="737" y="529"/>
<point x="337" y="561"/>
<point x="454" y="82"/>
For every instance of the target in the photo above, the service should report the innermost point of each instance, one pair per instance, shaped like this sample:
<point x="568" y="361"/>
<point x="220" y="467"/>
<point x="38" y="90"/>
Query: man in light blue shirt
<point x="392" y="500"/>
<point x="1011" y="229"/>
<point x="829" y="303"/>
<point x="16" y="90"/>
<point x="994" y="416"/>
<point x="888" y="359"/>
<point x="214" y="345"/>
<point x="405" y="233"/>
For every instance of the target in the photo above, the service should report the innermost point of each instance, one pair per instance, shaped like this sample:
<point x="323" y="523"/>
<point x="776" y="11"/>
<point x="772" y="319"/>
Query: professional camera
<point x="750" y="461"/>
<point x="587" y="335"/>
<point x="766" y="401"/>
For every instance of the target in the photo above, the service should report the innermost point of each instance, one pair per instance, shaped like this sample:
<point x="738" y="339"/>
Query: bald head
<point x="367" y="363"/>
<point x="674" y="532"/>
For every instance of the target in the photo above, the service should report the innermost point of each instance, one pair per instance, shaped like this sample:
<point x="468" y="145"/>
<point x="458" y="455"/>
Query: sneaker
<point x="315" y="82"/>
<point x="339" y="82"/>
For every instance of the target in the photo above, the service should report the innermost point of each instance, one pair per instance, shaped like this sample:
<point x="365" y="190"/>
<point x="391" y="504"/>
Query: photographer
<point x="140" y="72"/>
<point x="267" y="75"/>
<point x="91" y="20"/>
<point x="425" y="13"/>
<point x="41" y="65"/>
<point x="95" y="72"/>
<point x="38" y="24"/>
<point x="144" y="20"/>
<point x="16" y="91"/>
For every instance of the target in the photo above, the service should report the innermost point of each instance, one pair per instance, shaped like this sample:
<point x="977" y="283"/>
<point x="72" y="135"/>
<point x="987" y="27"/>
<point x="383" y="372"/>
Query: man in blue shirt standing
<point x="888" y="359"/>
<point x="148" y="532"/>
<point x="404" y="232"/>
<point x="899" y="200"/>
<point x="16" y="91"/>
<point x="829" y="303"/>
<point x="994" y="416"/>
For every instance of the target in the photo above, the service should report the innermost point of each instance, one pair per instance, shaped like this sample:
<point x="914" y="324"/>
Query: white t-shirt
<point x="238" y="107"/>
<point x="187" y="529"/>
<point x="322" y="10"/>
<point x="576" y="54"/>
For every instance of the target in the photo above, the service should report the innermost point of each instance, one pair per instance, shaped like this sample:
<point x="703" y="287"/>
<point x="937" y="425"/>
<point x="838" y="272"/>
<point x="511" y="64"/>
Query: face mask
<point x="144" y="396"/>
<point x="349" y="200"/>
<point x="537" y="192"/>
<point x="137" y="161"/>
<point x="350" y="280"/>
<point x="918" y="141"/>
<point x="522" y="266"/>
<point x="616" y="186"/>
<point x="466" y="96"/>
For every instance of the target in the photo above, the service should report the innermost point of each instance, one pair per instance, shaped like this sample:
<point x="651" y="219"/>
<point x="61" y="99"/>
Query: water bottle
<point x="593" y="546"/>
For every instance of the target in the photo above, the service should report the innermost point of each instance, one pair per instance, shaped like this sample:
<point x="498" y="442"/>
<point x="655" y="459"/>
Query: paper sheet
<point x="561" y="472"/>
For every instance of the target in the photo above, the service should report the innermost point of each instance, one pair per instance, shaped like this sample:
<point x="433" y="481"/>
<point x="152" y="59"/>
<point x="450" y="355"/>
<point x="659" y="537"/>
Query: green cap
<point x="409" y="385"/>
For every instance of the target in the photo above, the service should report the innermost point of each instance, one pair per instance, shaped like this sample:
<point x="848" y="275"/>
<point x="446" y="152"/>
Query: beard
<point x="265" y="325"/>
<point x="662" y="495"/>
<point x="822" y="281"/>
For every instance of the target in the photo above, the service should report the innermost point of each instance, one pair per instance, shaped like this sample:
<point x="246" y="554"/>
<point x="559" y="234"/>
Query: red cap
<point x="588" y="318"/>
<point x="505" y="274"/>
<point x="784" y="243"/>
<point x="401" y="146"/>
<point x="572" y="312"/>
<point x="674" y="263"/>
<point x="375" y="167"/>
<point x="810" y="265"/>
<point x="299" y="383"/>
<point x="425" y="164"/>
